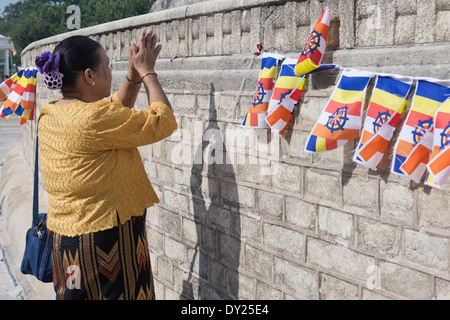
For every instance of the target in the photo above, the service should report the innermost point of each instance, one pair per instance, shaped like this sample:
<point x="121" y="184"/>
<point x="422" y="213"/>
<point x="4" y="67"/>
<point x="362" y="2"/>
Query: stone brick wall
<point x="266" y="220"/>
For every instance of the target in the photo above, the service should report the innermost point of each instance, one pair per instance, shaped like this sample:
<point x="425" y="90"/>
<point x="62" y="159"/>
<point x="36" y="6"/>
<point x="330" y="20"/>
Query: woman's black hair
<point x="78" y="53"/>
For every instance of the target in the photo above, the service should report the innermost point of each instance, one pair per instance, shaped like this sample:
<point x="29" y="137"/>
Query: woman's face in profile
<point x="103" y="74"/>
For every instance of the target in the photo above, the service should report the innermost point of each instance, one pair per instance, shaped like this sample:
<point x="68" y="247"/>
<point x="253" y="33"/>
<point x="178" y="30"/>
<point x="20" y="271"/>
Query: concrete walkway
<point x="10" y="133"/>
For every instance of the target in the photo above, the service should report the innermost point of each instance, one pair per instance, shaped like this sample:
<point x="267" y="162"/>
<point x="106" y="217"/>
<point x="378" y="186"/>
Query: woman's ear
<point x="89" y="77"/>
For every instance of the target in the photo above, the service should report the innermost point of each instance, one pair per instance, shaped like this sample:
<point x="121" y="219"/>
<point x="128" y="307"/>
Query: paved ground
<point x="10" y="132"/>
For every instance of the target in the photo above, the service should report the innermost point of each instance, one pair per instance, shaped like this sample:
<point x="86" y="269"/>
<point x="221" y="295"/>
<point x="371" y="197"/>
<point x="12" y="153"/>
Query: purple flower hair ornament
<point x="48" y="62"/>
<point x="48" y="65"/>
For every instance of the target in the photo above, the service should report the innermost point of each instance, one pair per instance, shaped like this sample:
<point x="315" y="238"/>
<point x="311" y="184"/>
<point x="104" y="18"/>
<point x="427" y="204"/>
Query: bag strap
<point x="36" y="183"/>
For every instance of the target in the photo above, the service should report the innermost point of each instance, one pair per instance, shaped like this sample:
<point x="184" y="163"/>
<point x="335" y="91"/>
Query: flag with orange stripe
<point x="257" y="113"/>
<point x="21" y="100"/>
<point x="382" y="116"/>
<point x="428" y="97"/>
<point x="340" y="120"/>
<point x="415" y="165"/>
<point x="315" y="47"/>
<point x="439" y="165"/>
<point x="285" y="97"/>
<point x="7" y="86"/>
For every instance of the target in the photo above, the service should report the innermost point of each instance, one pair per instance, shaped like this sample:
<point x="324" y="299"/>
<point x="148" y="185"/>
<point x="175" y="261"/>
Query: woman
<point x="92" y="170"/>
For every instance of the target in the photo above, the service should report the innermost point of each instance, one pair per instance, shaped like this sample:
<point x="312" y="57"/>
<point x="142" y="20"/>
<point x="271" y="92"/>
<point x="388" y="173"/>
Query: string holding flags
<point x="20" y="94"/>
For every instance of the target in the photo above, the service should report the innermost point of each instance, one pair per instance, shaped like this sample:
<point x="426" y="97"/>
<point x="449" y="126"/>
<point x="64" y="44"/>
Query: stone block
<point x="246" y="287"/>
<point x="300" y="213"/>
<point x="237" y="195"/>
<point x="266" y="292"/>
<point x="155" y="241"/>
<point x="208" y="240"/>
<point x="163" y="271"/>
<point x="332" y="288"/>
<point x="269" y="205"/>
<point x="323" y="185"/>
<point x="176" y="200"/>
<point x="219" y="217"/>
<point x="426" y="21"/>
<point x="190" y="231"/>
<point x="425" y="249"/>
<point x="405" y="27"/>
<point x="360" y="191"/>
<point x="170" y="222"/>
<point x="397" y="201"/>
<point x="294" y="148"/>
<point x="284" y="240"/>
<point x="442" y="18"/>
<point x="258" y="262"/>
<point x="310" y="111"/>
<point x="229" y="250"/>
<point x="405" y="282"/>
<point x="377" y="236"/>
<point x="184" y="104"/>
<point x="165" y="173"/>
<point x="442" y="289"/>
<point x="248" y="227"/>
<point x="302" y="281"/>
<point x="338" y="258"/>
<point x="218" y="274"/>
<point x="333" y="158"/>
<point x="431" y="206"/>
<point x="287" y="177"/>
<point x="175" y="250"/>
<point x="405" y="7"/>
<point x="336" y="223"/>
<point x="371" y="295"/>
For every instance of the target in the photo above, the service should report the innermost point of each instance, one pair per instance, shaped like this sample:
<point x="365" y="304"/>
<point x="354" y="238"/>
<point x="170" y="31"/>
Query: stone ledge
<point x="199" y="9"/>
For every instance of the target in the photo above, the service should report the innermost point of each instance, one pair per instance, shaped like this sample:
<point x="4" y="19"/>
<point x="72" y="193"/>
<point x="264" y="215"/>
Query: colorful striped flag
<point x="340" y="120"/>
<point x="439" y="165"/>
<point x="21" y="100"/>
<point x="285" y="97"/>
<point x="13" y="49"/>
<point x="384" y="111"/>
<point x="415" y="165"/>
<point x="315" y="47"/>
<point x="427" y="99"/>
<point x="257" y="113"/>
<point x="8" y="85"/>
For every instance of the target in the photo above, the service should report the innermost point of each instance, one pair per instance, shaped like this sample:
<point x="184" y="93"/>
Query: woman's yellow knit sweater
<point x="90" y="164"/>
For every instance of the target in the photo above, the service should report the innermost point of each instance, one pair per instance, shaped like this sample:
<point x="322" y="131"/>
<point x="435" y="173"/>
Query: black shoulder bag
<point x="37" y="257"/>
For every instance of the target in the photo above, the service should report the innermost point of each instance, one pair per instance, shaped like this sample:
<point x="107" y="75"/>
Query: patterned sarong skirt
<point x="113" y="264"/>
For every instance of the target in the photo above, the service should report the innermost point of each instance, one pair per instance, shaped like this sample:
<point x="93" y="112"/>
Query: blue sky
<point x="4" y="3"/>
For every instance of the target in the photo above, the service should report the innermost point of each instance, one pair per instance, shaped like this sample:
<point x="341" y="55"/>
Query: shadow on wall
<point x="217" y="251"/>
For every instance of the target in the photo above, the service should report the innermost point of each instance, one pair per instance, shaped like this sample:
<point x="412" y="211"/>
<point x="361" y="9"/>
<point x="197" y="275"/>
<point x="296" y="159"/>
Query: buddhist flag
<point x="384" y="111"/>
<point x="314" y="48"/>
<point x="428" y="97"/>
<point x="8" y="85"/>
<point x="257" y="113"/>
<point x="439" y="165"/>
<point x="285" y="97"/>
<point x="13" y="49"/>
<point x="21" y="100"/>
<point x="340" y="120"/>
<point x="415" y="165"/>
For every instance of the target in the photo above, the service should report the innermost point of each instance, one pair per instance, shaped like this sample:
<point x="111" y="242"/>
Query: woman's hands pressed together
<point x="145" y="52"/>
<point x="142" y="60"/>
